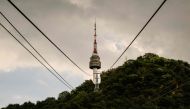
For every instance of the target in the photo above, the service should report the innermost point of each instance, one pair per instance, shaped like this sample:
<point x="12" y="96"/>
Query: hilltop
<point x="149" y="82"/>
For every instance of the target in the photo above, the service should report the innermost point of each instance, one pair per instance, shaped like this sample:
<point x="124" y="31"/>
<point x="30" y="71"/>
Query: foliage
<point x="149" y="82"/>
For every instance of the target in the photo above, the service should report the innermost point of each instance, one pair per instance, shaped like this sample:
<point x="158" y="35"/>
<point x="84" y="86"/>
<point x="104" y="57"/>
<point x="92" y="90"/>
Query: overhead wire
<point x="138" y="33"/>
<point x="174" y="89"/>
<point x="58" y="48"/>
<point x="35" y="49"/>
<point x="35" y="56"/>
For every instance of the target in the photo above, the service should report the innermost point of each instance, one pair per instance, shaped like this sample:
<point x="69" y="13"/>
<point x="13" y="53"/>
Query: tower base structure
<point x="96" y="88"/>
<point x="96" y="79"/>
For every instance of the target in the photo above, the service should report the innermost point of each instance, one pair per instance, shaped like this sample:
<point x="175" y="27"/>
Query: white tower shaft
<point x="96" y="79"/>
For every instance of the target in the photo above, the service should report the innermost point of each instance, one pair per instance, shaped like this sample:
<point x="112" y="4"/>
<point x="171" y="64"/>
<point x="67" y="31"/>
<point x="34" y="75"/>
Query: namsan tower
<point x="95" y="63"/>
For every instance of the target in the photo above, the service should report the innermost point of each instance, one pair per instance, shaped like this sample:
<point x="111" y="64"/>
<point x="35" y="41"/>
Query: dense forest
<point x="149" y="82"/>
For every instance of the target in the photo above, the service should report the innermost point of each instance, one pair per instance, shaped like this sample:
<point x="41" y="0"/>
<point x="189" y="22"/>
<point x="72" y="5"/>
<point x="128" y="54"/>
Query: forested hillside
<point x="149" y="82"/>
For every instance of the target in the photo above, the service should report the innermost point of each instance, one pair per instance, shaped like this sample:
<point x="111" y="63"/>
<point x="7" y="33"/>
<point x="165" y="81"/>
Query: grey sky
<point x="69" y="23"/>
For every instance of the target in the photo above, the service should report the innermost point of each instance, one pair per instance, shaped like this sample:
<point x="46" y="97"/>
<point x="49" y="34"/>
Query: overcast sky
<point x="69" y="23"/>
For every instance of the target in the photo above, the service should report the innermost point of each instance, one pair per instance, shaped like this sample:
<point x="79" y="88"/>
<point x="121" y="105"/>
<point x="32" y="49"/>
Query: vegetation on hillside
<point x="149" y="82"/>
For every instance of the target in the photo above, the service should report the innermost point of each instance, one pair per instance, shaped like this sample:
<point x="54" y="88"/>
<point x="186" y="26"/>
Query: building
<point x="95" y="63"/>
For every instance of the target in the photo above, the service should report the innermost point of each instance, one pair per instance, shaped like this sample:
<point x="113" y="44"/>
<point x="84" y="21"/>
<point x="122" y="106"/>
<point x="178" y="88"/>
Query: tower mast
<point x="95" y="63"/>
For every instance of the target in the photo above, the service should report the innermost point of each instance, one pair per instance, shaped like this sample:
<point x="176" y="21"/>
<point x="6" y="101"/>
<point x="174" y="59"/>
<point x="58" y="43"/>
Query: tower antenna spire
<point x="95" y="27"/>
<point x="95" y="43"/>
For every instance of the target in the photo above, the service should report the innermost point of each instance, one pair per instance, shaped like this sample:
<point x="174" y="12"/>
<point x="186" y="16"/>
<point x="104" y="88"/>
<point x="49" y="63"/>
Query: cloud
<point x="82" y="4"/>
<point x="17" y="97"/>
<point x="43" y="83"/>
